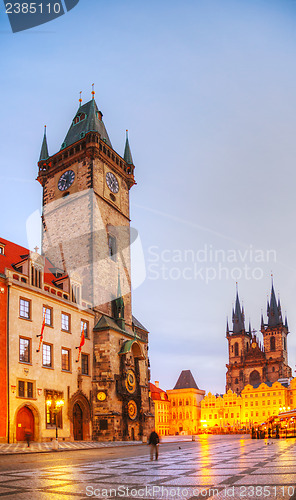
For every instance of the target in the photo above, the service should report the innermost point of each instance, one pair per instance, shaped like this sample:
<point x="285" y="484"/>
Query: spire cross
<point x="93" y="91"/>
<point x="36" y="249"/>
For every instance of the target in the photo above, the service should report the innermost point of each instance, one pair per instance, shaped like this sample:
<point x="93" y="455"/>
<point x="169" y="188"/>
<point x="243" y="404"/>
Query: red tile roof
<point x="156" y="393"/>
<point x="13" y="254"/>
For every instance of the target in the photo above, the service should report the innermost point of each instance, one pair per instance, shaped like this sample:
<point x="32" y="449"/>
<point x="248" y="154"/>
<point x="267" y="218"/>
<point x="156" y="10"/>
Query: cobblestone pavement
<point x="63" y="445"/>
<point x="213" y="467"/>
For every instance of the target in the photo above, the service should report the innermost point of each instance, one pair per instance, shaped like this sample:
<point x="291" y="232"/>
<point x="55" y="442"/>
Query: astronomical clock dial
<point x="130" y="381"/>
<point x="112" y="182"/>
<point x="132" y="410"/>
<point x="66" y="180"/>
<point x="101" y="396"/>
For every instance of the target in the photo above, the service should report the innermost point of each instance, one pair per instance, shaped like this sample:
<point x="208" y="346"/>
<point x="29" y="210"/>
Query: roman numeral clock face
<point x="112" y="182"/>
<point x="66" y="180"/>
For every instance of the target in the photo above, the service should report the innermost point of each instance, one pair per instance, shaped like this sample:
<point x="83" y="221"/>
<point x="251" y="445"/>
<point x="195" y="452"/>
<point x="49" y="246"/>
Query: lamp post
<point x="56" y="405"/>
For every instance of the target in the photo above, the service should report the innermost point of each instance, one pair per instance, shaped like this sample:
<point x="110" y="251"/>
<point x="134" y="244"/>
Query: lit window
<point x="24" y="309"/>
<point x="65" y="359"/>
<point x="1" y="249"/>
<point x="66" y="322"/>
<point x="84" y="364"/>
<point x="47" y="355"/>
<point x="25" y="350"/>
<point x="47" y="313"/>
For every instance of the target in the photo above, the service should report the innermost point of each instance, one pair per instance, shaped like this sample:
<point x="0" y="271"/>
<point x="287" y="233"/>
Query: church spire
<point x="44" y="149"/>
<point x="127" y="152"/>
<point x="238" y="316"/>
<point x="274" y="310"/>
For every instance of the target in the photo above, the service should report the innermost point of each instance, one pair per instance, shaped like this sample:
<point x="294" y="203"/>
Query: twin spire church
<point x="253" y="362"/>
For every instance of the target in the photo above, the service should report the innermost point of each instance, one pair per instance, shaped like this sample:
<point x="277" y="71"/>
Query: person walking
<point x="154" y="444"/>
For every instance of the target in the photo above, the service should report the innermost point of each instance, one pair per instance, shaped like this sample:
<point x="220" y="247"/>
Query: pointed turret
<point x="262" y="322"/>
<point x="286" y="323"/>
<point x="88" y="118"/>
<point x="273" y="310"/>
<point x="44" y="149"/>
<point x="227" y="327"/>
<point x="238" y="317"/>
<point x="127" y="152"/>
<point x="250" y="329"/>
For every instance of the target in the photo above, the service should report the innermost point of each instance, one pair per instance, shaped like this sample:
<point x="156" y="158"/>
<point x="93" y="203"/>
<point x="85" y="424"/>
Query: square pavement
<point x="213" y="467"/>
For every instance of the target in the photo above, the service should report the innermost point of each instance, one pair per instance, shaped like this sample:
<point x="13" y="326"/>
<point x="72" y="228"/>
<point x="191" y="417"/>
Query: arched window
<point x="236" y="381"/>
<point x="255" y="378"/>
<point x="272" y="343"/>
<point x="236" y="349"/>
<point x="285" y="344"/>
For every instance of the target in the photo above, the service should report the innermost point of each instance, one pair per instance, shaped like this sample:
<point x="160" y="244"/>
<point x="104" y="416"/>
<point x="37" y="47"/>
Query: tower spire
<point x="93" y="91"/>
<point x="44" y="149"/>
<point x="127" y="151"/>
<point x="80" y="98"/>
<point x="273" y="309"/>
<point x="238" y="316"/>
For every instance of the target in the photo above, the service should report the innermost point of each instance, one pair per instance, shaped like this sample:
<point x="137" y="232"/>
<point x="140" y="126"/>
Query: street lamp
<point x="56" y="405"/>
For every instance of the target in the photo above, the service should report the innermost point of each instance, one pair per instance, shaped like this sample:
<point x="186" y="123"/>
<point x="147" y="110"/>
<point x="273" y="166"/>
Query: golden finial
<point x="93" y="91"/>
<point x="80" y="99"/>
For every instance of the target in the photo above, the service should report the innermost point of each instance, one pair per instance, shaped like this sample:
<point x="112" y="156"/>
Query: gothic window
<point x="236" y="349"/>
<point x="273" y="368"/>
<point x="272" y="343"/>
<point x="285" y="344"/>
<point x="255" y="378"/>
<point x="236" y="381"/>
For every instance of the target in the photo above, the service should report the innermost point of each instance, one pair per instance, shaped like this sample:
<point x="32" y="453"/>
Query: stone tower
<point x="87" y="236"/>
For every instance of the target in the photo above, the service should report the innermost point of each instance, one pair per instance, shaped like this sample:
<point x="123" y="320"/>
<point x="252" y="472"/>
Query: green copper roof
<point x="44" y="149"/>
<point x="127" y="346"/>
<point x="105" y="323"/>
<point x="127" y="152"/>
<point x="90" y="122"/>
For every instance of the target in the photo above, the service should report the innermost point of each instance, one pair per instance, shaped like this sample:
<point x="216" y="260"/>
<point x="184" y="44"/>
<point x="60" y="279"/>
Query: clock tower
<point x="87" y="237"/>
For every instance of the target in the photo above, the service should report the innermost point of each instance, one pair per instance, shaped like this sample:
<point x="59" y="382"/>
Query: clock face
<point x="101" y="396"/>
<point x="66" y="180"/>
<point x="112" y="182"/>
<point x="130" y="381"/>
<point x="132" y="410"/>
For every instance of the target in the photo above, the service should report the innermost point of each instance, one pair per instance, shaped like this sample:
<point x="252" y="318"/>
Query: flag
<point x="82" y="341"/>
<point x="41" y="334"/>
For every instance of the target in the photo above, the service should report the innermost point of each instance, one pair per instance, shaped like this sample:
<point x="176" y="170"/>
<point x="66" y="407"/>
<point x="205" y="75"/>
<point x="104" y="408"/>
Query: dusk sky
<point x="207" y="91"/>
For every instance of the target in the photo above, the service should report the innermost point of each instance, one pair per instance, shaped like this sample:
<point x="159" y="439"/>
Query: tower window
<point x="272" y="343"/>
<point x="285" y="344"/>
<point x="112" y="247"/>
<point x="236" y="349"/>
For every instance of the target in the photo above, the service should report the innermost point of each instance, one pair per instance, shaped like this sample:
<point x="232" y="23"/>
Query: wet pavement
<point x="212" y="467"/>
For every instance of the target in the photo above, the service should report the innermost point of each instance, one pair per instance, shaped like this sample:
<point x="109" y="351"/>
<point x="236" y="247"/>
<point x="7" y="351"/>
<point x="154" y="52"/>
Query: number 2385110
<point x="32" y="8"/>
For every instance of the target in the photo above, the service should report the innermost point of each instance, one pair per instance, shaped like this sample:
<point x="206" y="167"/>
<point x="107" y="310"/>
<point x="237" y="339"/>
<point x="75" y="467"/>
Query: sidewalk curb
<point x="68" y="449"/>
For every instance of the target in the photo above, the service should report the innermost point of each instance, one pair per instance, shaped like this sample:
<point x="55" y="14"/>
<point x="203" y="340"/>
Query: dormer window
<point x="76" y="293"/>
<point x="36" y="276"/>
<point x="79" y="118"/>
<point x="2" y="247"/>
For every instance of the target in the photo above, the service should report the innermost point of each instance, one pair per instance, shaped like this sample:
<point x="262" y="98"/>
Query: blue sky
<point x="207" y="91"/>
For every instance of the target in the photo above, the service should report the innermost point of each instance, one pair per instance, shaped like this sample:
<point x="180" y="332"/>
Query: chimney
<point x="156" y="384"/>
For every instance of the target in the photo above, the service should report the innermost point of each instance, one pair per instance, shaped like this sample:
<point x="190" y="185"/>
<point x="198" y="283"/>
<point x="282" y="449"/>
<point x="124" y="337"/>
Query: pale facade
<point x="162" y="407"/>
<point x="52" y="374"/>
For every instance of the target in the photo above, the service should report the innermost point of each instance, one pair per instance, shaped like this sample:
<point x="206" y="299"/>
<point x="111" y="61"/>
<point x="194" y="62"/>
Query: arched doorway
<point x="77" y="422"/>
<point x="255" y="378"/>
<point x="24" y="422"/>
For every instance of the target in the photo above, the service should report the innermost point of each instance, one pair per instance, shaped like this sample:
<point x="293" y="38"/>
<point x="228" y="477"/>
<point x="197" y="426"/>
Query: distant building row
<point x="187" y="410"/>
